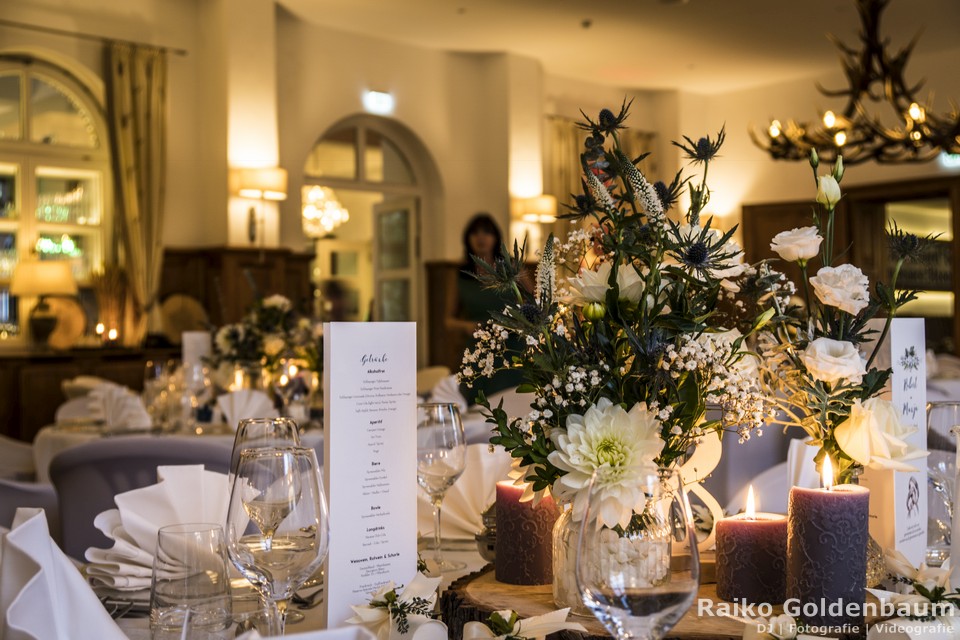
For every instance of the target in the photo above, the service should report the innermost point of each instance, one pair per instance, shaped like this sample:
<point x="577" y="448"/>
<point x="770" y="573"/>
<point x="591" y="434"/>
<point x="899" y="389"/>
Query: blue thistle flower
<point x="607" y="123"/>
<point x="697" y="255"/>
<point x="704" y="149"/>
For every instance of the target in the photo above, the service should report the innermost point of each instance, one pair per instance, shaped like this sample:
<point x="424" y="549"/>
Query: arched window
<point x="54" y="175"/>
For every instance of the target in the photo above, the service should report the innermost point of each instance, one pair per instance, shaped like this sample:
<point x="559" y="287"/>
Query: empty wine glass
<point x="441" y="458"/>
<point x="942" y="417"/>
<point x="263" y="433"/>
<point x="156" y="380"/>
<point x="277" y="525"/>
<point x="625" y="574"/>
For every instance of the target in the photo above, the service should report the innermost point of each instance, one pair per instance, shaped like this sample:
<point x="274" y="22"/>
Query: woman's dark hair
<point x="481" y="222"/>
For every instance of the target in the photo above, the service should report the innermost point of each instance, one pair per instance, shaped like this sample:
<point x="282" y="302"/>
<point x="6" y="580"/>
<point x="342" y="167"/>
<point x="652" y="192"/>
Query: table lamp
<point x="42" y="278"/>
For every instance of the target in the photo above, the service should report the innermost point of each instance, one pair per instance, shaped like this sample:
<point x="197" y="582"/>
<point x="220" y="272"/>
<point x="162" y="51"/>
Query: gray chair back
<point x="87" y="477"/>
<point x="15" y="494"/>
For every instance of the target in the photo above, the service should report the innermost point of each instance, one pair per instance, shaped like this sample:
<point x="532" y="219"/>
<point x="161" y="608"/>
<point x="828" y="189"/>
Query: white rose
<point x="273" y="345"/>
<point x="797" y="244"/>
<point x="833" y="360"/>
<point x="278" y="301"/>
<point x="875" y="436"/>
<point x="828" y="191"/>
<point x="844" y="287"/>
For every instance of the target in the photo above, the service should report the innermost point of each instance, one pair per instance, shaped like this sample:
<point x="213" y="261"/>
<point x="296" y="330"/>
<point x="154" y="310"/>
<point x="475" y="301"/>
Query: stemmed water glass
<point x="277" y="524"/>
<point x="441" y="458"/>
<point x="625" y="574"/>
<point x="262" y="433"/>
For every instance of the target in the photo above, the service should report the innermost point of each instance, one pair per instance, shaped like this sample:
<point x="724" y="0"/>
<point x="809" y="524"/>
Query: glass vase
<point x="876" y="566"/>
<point x="565" y="592"/>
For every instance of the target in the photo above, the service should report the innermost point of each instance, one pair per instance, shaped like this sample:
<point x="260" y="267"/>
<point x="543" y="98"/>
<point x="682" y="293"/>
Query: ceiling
<point x="704" y="46"/>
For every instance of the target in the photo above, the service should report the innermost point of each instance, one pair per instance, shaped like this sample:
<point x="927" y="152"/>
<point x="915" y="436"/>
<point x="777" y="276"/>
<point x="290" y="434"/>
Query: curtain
<point x="561" y="170"/>
<point x="137" y="117"/>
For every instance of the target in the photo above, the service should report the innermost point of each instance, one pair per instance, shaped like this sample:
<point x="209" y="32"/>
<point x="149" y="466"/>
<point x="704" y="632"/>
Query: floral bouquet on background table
<point x="813" y="366"/>
<point x="638" y="323"/>
<point x="269" y="333"/>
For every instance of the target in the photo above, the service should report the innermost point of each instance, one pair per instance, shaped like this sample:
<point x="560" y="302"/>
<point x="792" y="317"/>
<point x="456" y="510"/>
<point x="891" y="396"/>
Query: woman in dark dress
<point x="481" y="238"/>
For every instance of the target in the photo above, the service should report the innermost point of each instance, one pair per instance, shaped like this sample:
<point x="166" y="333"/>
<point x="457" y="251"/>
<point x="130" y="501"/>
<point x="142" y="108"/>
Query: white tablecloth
<point x="53" y="439"/>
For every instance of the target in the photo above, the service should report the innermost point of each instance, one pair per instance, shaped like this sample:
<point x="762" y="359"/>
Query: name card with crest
<point x="898" y="499"/>
<point x="370" y="459"/>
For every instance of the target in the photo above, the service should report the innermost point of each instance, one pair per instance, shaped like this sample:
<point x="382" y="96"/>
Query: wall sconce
<point x="42" y="278"/>
<point x="378" y="102"/>
<point x="258" y="184"/>
<point x="322" y="212"/>
<point x="541" y="209"/>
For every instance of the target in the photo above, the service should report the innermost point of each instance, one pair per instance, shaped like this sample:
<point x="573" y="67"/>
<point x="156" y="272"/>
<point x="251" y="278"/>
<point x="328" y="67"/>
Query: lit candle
<point x="524" y="542"/>
<point x="112" y="335"/>
<point x="237" y="379"/>
<point x="752" y="556"/>
<point x="827" y="533"/>
<point x="100" y="329"/>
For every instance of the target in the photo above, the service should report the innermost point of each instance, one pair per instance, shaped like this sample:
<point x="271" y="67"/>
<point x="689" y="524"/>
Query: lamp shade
<point x="536" y="209"/>
<point x="266" y="183"/>
<point x="43" y="278"/>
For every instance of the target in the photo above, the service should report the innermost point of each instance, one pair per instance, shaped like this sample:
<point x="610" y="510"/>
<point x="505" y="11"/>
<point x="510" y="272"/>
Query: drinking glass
<point x="156" y="380"/>
<point x="293" y="382"/>
<point x="190" y="588"/>
<point x="941" y="481"/>
<point x="942" y="417"/>
<point x="625" y="575"/>
<point x="441" y="458"/>
<point x="262" y="433"/>
<point x="277" y="525"/>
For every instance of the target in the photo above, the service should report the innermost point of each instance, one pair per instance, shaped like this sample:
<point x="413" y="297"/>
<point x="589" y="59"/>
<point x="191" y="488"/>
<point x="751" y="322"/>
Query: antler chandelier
<point x="876" y="84"/>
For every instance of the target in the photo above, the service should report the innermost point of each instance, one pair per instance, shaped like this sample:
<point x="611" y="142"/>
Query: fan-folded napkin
<point x="470" y="495"/>
<point x="118" y="407"/>
<point x="42" y="594"/>
<point x="245" y="403"/>
<point x="82" y="385"/>
<point x="185" y="494"/>
<point x="448" y="390"/>
<point x="353" y="632"/>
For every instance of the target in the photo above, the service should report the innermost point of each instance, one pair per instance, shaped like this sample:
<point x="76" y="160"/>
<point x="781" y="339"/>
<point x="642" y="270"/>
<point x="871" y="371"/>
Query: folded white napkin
<point x="42" y="594"/>
<point x="801" y="469"/>
<point x="939" y="628"/>
<point x="535" y="627"/>
<point x="118" y="407"/>
<point x="353" y="632"/>
<point x="82" y="385"/>
<point x="470" y="495"/>
<point x="378" y="620"/>
<point x="448" y="390"/>
<point x="184" y="494"/>
<point x="245" y="403"/>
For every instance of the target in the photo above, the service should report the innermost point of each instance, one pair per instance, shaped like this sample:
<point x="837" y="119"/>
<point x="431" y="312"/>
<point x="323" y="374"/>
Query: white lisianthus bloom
<point x="591" y="286"/>
<point x="828" y="191"/>
<point x="605" y="436"/>
<point x="278" y="301"/>
<point x="224" y="340"/>
<point x="875" y="436"/>
<point x="844" y="287"/>
<point x="273" y="345"/>
<point x="831" y="360"/>
<point x="797" y="245"/>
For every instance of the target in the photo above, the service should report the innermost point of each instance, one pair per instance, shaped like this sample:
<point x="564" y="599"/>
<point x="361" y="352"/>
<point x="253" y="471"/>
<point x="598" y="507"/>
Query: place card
<point x="902" y="494"/>
<point x="370" y="459"/>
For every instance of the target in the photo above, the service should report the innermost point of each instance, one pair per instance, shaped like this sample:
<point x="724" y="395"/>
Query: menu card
<point x="902" y="494"/>
<point x="370" y="459"/>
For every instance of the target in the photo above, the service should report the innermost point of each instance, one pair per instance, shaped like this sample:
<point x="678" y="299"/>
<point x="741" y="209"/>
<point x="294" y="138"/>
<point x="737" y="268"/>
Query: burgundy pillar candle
<point x="827" y="537"/>
<point x="524" y="542"/>
<point x="752" y="556"/>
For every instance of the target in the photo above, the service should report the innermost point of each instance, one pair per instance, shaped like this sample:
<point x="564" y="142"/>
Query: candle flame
<point x="237" y="380"/>
<point x="112" y="334"/>
<point x="827" y="473"/>
<point x="751" y="511"/>
<point x="100" y="329"/>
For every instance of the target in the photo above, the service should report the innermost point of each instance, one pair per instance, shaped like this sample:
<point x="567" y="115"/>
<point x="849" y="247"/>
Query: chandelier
<point x="322" y="212"/>
<point x="876" y="93"/>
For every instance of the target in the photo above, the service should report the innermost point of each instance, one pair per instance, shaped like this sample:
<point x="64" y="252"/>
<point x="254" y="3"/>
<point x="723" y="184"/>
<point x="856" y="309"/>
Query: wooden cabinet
<point x="32" y="381"/>
<point x="228" y="280"/>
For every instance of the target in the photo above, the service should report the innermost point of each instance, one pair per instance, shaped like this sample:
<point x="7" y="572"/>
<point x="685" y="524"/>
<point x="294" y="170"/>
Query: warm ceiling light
<point x="322" y="212"/>
<point x="378" y="102"/>
<point x="922" y="137"/>
<point x="775" y="129"/>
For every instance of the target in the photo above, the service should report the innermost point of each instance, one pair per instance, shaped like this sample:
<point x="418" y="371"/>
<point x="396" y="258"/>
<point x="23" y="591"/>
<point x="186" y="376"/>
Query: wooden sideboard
<point x="31" y="381"/>
<point x="227" y="280"/>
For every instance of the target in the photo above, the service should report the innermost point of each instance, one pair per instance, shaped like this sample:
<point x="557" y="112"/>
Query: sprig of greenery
<point x="400" y="610"/>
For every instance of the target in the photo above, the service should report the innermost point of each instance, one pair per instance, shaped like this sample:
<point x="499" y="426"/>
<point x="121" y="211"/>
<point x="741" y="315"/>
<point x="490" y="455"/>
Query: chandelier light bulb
<point x="775" y="129"/>
<point x="840" y="138"/>
<point x="830" y="120"/>
<point x="916" y="112"/>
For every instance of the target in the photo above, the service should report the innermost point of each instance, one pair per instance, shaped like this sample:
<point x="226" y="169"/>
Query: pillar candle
<point x="195" y="346"/>
<point x="752" y="556"/>
<point x="524" y="543"/>
<point x="827" y="535"/>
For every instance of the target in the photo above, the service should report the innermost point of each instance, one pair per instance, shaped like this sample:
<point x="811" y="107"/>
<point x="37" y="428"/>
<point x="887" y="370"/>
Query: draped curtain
<point x="137" y="117"/>
<point x="562" y="172"/>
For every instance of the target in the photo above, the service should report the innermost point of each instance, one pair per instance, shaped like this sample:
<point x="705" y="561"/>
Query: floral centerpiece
<point x="637" y="324"/>
<point x="814" y="368"/>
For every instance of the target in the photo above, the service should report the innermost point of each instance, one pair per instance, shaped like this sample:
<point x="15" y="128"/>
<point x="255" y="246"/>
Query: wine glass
<point x="942" y="417"/>
<point x="156" y="379"/>
<point x="262" y="433"/>
<point x="441" y="458"/>
<point x="624" y="574"/>
<point x="277" y="524"/>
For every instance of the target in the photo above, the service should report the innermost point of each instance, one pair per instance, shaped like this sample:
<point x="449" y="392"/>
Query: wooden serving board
<point x="476" y="596"/>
